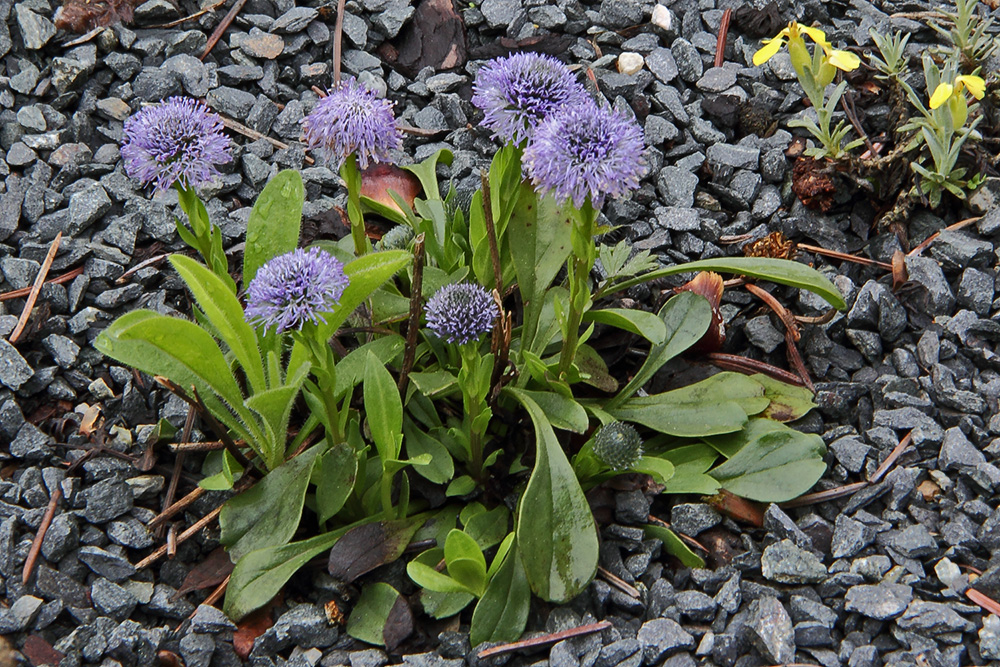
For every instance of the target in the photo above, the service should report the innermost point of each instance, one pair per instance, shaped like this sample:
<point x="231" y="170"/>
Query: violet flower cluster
<point x="352" y="119"/>
<point x="574" y="148"/>
<point x="461" y="312"/>
<point x="296" y="288"/>
<point x="519" y="92"/>
<point x="176" y="141"/>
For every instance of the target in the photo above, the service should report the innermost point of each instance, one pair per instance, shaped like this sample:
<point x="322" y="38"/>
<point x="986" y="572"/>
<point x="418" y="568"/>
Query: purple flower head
<point x="461" y="312"/>
<point x="295" y="288"/>
<point x="518" y="92"/>
<point x="586" y="150"/>
<point x="176" y="141"/>
<point x="352" y="119"/>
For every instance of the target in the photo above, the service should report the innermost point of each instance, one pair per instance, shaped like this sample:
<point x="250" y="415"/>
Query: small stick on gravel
<point x="179" y="506"/>
<point x="795" y="359"/>
<point x="210" y="446"/>
<point x="413" y="325"/>
<point x="36" y="544"/>
<point x="29" y="305"/>
<point x="739" y="364"/>
<point x="58" y="280"/>
<point x="250" y="133"/>
<point x="190" y="17"/>
<point x="338" y="42"/>
<point x="823" y="496"/>
<point x="779" y="310"/>
<point x="172" y="541"/>
<point x="720" y="45"/>
<point x="221" y="29"/>
<point x="818" y="319"/>
<point x="843" y="256"/>
<point x="619" y="583"/>
<point x="545" y="639"/>
<point x="891" y="459"/>
<point x="168" y="498"/>
<point x="950" y="228"/>
<point x="140" y="266"/>
<point x="183" y="537"/>
<point x="987" y="603"/>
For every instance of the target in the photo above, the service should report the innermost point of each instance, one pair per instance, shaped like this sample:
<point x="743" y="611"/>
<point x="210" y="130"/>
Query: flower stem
<point x="352" y="177"/>
<point x="578" y="269"/>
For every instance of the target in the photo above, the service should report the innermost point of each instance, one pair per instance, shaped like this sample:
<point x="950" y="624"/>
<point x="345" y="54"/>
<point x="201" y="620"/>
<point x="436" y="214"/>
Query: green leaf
<point x="686" y="317"/>
<point x="338" y="469"/>
<point x="775" y="467"/>
<point x="502" y="613"/>
<point x="639" y="322"/>
<point x="441" y="468"/>
<point x="275" y="408"/>
<point x="260" y="574"/>
<point x="383" y="409"/>
<point x="223" y="480"/>
<point x="555" y="527"/>
<point x="691" y="464"/>
<point x="674" y="545"/>
<point x="426" y="172"/>
<point x="781" y="271"/>
<point x="267" y="514"/>
<point x="430" y="579"/>
<point x="661" y="470"/>
<point x="369" y="616"/>
<point x="460" y="486"/>
<point x="434" y="384"/>
<point x="273" y="227"/>
<point x="223" y="310"/>
<point x="593" y="369"/>
<point x="351" y="369"/>
<point x="465" y="561"/>
<point x="719" y="404"/>
<point x="442" y="605"/>
<point x="788" y="402"/>
<point x="730" y="444"/>
<point x="563" y="413"/>
<point x="488" y="528"/>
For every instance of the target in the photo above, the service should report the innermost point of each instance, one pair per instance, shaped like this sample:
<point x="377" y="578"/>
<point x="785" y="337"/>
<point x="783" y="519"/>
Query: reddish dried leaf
<point x="435" y="38"/>
<point x="722" y="545"/>
<point x="367" y="547"/>
<point x="737" y="508"/>
<point x="710" y="286"/>
<point x="207" y="574"/>
<point x="811" y="185"/>
<point x="36" y="650"/>
<point x="91" y="420"/>
<point x="379" y="179"/>
<point x="249" y="629"/>
<point x="169" y="659"/>
<point x="398" y="625"/>
<point x="899" y="273"/>
<point x="83" y="15"/>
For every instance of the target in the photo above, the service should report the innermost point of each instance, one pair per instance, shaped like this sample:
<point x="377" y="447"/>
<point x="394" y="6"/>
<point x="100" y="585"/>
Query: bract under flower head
<point x="843" y="60"/>
<point x="295" y="288"/>
<point x="518" y="92"/>
<point x="176" y="141"/>
<point x="352" y="119"/>
<point x="461" y="312"/>
<point x="586" y="151"/>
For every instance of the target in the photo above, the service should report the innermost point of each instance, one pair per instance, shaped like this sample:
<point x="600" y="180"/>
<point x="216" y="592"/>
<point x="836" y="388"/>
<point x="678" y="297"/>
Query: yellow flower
<point x="946" y="91"/>
<point x="793" y="33"/>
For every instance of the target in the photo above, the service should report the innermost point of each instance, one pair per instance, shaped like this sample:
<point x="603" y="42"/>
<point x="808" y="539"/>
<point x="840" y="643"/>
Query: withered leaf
<point x="367" y="547"/>
<point x="83" y="15"/>
<point x="398" y="625"/>
<point x="758" y="22"/>
<point x="434" y="38"/>
<point x="207" y="574"/>
<point x="249" y="629"/>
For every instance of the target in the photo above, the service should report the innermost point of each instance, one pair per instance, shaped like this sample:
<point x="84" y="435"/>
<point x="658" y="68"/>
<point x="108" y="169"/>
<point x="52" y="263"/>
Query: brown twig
<point x="891" y="459"/>
<point x="43" y="528"/>
<point x="251" y="133"/>
<point x="338" y="41"/>
<point x="29" y="305"/>
<point x="818" y="319"/>
<point x="987" y="603"/>
<point x="923" y="245"/>
<point x="551" y="638"/>
<point x="210" y="446"/>
<point x="852" y="116"/>
<point x="786" y="317"/>
<point x="720" y="44"/>
<point x="221" y="29"/>
<point x="823" y="496"/>
<point x="172" y="541"/>
<point x="843" y="256"/>
<point x="619" y="583"/>
<point x="183" y="537"/>
<point x="191" y="17"/>
<point x="177" y="507"/>
<point x="413" y="326"/>
<point x="140" y="266"/>
<point x="795" y="359"/>
<point x="751" y="366"/>
<point x="58" y="280"/>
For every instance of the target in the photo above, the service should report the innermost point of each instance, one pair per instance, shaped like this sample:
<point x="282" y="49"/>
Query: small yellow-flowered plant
<point x="815" y="72"/>
<point x="951" y="94"/>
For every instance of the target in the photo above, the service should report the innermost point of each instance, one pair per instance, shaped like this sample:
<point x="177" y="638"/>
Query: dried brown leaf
<point x="398" y="625"/>
<point x="208" y="573"/>
<point x="249" y="629"/>
<point x="35" y="649"/>
<point x="379" y="179"/>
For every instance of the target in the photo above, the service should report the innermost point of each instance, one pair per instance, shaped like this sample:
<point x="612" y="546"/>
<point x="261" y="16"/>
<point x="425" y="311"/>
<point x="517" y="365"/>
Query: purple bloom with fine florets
<point x="586" y="150"/>
<point x="461" y="312"/>
<point x="518" y="92"/>
<point x="176" y="141"/>
<point x="295" y="288"/>
<point x="352" y="119"/>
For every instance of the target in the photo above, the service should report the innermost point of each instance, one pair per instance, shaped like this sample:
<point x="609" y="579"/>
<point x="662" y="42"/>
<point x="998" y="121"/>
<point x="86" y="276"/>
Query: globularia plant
<point x="491" y="330"/>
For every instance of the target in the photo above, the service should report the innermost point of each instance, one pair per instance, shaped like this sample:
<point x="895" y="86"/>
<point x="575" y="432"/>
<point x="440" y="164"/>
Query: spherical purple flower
<point x="295" y="288"/>
<point x="176" y="141"/>
<point x="518" y="92"/>
<point x="461" y="312"/>
<point x="586" y="150"/>
<point x="352" y="119"/>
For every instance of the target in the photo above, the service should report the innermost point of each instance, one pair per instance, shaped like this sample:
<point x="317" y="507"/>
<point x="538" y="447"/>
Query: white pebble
<point x="630" y="63"/>
<point x="661" y="17"/>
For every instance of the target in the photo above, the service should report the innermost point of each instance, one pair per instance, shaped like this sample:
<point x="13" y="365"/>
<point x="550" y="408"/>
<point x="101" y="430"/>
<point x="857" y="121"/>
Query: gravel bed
<point x="858" y="581"/>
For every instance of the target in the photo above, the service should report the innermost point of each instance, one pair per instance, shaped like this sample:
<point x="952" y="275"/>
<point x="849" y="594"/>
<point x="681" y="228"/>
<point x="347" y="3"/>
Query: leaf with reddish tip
<point x="379" y="179"/>
<point x="372" y="545"/>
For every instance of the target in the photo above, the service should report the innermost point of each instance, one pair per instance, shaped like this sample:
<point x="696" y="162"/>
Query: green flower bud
<point x="396" y="238"/>
<point x="618" y="445"/>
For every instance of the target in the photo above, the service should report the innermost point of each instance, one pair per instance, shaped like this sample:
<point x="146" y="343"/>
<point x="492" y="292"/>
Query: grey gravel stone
<point x="294" y="20"/>
<point x="676" y="187"/>
<point x="770" y="630"/>
<point x="933" y="618"/>
<point x="112" y="566"/>
<point x="693" y="518"/>
<point x="14" y="369"/>
<point x="661" y="63"/>
<point x="20" y="614"/>
<point x="786" y="563"/>
<point x="500" y="13"/>
<point x="883" y="602"/>
<point x="209" y="619"/>
<point x="663" y="637"/>
<point x="197" y="649"/>
<point x="989" y="638"/>
<point x="231" y="101"/>
<point x="36" y="31"/>
<point x="927" y="272"/>
<point x="717" y="80"/>
<point x="106" y="500"/>
<point x="30" y="443"/>
<point x="688" y="60"/>
<point x="111" y="599"/>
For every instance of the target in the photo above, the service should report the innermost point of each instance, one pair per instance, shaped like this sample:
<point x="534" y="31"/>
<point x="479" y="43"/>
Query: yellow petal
<point x="844" y="60"/>
<point x="767" y="51"/>
<point x="816" y="34"/>
<point x="975" y="84"/>
<point x="941" y="94"/>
